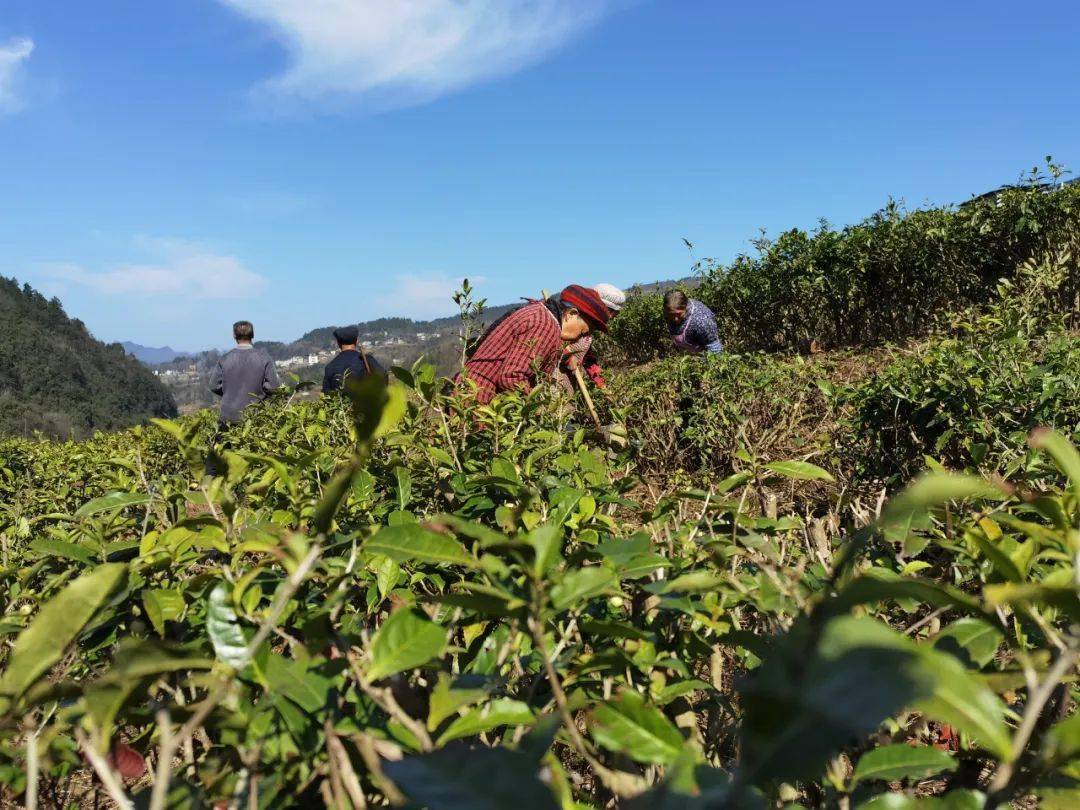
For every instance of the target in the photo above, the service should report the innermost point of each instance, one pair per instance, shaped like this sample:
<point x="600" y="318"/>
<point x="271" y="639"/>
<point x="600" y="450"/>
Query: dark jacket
<point x="348" y="364"/>
<point x="243" y="376"/>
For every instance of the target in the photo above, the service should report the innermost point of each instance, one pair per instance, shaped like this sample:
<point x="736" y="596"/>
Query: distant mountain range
<point x="151" y="355"/>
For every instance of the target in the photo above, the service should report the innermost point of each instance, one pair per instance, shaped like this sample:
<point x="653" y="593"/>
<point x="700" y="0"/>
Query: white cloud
<point x="401" y="52"/>
<point x="13" y="54"/>
<point x="419" y="297"/>
<point x="177" y="268"/>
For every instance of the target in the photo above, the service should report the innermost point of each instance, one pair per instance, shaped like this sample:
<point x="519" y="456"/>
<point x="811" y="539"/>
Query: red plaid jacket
<point x="527" y="343"/>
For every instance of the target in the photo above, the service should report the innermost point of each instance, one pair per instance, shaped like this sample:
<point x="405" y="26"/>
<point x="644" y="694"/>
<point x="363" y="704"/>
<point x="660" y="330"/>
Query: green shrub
<point x="384" y="604"/>
<point x="886" y="279"/>
<point x="889" y="277"/>
<point x="638" y="333"/>
<point x="967" y="397"/>
<point x="873" y="419"/>
<point x="712" y="414"/>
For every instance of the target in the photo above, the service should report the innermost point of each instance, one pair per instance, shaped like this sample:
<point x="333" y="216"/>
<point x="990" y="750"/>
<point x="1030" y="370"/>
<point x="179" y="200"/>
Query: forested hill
<point x="56" y="378"/>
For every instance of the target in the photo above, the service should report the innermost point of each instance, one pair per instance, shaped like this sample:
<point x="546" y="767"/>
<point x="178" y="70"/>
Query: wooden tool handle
<point x="588" y="399"/>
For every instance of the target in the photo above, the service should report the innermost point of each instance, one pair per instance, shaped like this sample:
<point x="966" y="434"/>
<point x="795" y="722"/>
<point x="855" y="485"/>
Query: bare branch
<point x="109" y="778"/>
<point x="384" y="698"/>
<point x="339" y="759"/>
<point x="32" y="770"/>
<point x="1001" y="785"/>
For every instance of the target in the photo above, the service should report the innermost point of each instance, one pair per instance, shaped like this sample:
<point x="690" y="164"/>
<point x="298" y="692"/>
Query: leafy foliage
<point x="888" y="278"/>
<point x="396" y="597"/>
<point x="56" y="379"/>
<point x="966" y="398"/>
<point x="399" y="596"/>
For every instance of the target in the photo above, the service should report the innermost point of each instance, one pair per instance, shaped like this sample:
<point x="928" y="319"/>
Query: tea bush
<point x="397" y="598"/>
<point x="883" y="280"/>
<point x="965" y="398"/>
<point x="708" y="414"/>
<point x="638" y="333"/>
<point x="872" y="419"/>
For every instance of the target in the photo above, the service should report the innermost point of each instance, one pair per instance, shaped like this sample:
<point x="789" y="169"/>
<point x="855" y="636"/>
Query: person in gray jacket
<point x="243" y="376"/>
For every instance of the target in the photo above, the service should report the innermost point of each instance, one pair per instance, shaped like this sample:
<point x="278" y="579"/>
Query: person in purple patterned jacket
<point x="691" y="324"/>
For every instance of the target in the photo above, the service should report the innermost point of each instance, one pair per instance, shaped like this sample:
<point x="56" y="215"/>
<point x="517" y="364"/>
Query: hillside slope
<point x="56" y="378"/>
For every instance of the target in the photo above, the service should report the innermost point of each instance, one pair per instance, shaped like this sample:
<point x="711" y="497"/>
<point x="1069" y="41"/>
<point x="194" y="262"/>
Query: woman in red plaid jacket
<point x="526" y="345"/>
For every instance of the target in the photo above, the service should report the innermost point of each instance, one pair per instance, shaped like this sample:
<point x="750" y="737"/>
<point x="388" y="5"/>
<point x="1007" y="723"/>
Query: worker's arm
<point x="704" y="336"/>
<point x="592" y="368"/>
<point x="271" y="381"/>
<point x="217" y="379"/>
<point x="375" y="366"/>
<point x="328" y="381"/>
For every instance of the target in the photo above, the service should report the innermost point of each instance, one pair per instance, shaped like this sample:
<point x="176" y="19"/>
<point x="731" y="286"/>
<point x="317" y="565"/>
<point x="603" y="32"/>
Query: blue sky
<point x="170" y="166"/>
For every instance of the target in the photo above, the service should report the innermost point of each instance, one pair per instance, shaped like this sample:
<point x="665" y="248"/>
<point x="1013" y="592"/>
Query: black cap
<point x="347" y="335"/>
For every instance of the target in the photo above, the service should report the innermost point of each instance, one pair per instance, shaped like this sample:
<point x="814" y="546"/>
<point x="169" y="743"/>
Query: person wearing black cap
<point x="350" y="362"/>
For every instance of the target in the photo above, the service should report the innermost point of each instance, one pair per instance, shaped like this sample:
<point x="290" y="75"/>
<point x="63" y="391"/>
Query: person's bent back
<point x="243" y="376"/>
<point x="691" y="324"/>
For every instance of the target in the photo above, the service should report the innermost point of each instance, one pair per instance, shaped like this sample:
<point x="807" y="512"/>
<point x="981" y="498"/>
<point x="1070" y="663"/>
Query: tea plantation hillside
<point x="889" y="278"/>
<point x="57" y="379"/>
<point x="844" y="577"/>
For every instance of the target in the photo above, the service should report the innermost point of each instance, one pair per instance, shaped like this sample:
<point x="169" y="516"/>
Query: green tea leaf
<point x="63" y="548"/>
<point x="1003" y="565"/>
<point x="953" y="800"/>
<point x="934" y="490"/>
<point x="1026" y="594"/>
<point x="642" y="732"/>
<point x="222" y="625"/>
<point x="799" y="471"/>
<point x="1057" y="798"/>
<point x="1064" y="739"/>
<point x="56" y="625"/>
<point x="546" y="541"/>
<point x="1064" y="454"/>
<point x="451" y="694"/>
<point x="162" y="605"/>
<point x="406" y="640"/>
<point x="879" y="586"/>
<point x="138" y="658"/>
<point x="501" y="712"/>
<point x="965" y="702"/>
<point x="804" y="704"/>
<point x="576" y="587"/>
<point x="461" y="778"/>
<point x="894" y="762"/>
<point x="974" y="641"/>
<point x="333" y="495"/>
<point x="111" y="502"/>
<point x="413" y="543"/>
